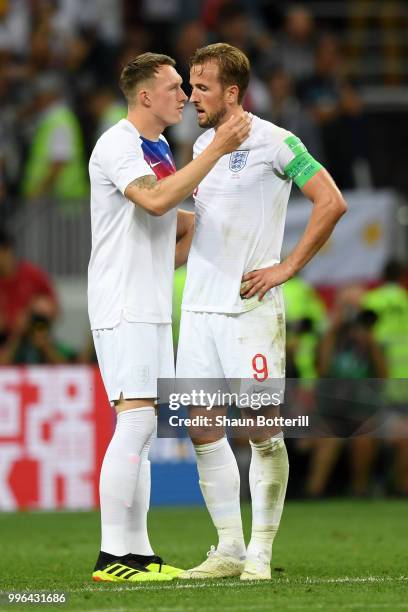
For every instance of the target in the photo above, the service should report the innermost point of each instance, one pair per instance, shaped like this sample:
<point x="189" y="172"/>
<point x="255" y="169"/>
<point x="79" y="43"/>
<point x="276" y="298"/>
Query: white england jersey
<point x="131" y="268"/>
<point x="240" y="211"/>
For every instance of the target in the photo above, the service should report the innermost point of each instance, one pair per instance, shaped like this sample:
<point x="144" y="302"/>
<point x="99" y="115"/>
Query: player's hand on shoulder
<point x="260" y="281"/>
<point x="233" y="132"/>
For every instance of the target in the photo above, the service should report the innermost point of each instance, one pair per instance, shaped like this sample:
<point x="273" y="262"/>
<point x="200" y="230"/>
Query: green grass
<point x="334" y="555"/>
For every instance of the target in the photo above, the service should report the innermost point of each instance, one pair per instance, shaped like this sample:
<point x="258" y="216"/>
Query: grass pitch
<point x="332" y="555"/>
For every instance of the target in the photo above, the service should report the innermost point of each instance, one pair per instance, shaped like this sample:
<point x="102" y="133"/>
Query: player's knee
<point x="206" y="437"/>
<point x="122" y="404"/>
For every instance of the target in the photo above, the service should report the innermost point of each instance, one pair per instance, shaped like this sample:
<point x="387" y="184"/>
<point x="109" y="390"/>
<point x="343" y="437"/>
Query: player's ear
<point x="232" y="93"/>
<point x="144" y="97"/>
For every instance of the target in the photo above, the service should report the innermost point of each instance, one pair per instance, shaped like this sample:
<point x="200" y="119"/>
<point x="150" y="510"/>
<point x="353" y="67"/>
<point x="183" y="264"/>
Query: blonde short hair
<point x="234" y="66"/>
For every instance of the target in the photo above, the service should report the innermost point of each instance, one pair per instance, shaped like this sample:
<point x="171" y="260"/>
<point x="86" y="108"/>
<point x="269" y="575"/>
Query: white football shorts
<point x="132" y="356"/>
<point x="249" y="345"/>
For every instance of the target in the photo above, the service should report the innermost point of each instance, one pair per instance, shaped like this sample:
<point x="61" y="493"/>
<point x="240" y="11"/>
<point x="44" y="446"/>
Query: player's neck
<point x="234" y="110"/>
<point x="146" y="124"/>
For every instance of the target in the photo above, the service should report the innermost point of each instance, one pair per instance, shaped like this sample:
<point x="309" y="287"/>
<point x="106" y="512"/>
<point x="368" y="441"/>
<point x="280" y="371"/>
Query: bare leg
<point x="362" y="455"/>
<point x="324" y="456"/>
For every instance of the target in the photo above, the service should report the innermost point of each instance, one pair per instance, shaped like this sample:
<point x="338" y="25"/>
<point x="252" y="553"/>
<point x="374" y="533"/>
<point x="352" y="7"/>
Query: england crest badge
<point x="238" y="160"/>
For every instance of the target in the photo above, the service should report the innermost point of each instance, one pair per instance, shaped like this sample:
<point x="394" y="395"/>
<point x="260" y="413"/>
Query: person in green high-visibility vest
<point x="106" y="109"/>
<point x="56" y="165"/>
<point x="178" y="286"/>
<point x="390" y="303"/>
<point x="305" y="318"/>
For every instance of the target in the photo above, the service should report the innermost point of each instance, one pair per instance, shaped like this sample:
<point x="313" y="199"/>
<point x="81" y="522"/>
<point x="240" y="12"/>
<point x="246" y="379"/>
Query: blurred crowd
<point x="60" y="61"/>
<point x="357" y="358"/>
<point x="59" y="67"/>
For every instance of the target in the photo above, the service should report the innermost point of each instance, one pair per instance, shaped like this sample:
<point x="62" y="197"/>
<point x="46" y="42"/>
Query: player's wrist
<point x="215" y="150"/>
<point x="290" y="268"/>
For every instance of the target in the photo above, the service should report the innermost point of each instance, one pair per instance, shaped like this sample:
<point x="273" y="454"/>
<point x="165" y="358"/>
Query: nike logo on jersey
<point x="153" y="165"/>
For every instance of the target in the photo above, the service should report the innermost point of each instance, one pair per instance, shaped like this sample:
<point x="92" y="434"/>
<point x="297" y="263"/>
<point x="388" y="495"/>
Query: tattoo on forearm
<point x="145" y="182"/>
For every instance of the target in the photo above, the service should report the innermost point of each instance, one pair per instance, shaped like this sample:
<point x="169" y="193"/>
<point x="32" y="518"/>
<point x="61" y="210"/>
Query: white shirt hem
<point x="221" y="310"/>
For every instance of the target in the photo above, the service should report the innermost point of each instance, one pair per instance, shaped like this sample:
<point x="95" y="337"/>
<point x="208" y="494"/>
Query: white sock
<point x="119" y="474"/>
<point x="219" y="482"/>
<point x="268" y="478"/>
<point x="137" y="535"/>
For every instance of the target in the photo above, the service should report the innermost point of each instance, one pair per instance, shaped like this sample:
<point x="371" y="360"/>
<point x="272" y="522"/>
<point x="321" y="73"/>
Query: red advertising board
<point x="55" y="424"/>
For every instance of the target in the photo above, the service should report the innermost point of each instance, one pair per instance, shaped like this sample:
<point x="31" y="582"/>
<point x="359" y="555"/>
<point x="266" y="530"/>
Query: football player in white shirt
<point x="134" y="191"/>
<point x="232" y="323"/>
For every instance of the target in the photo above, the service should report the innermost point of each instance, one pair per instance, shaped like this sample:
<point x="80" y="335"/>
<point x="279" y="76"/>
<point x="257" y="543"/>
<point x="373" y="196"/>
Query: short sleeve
<point x="123" y="162"/>
<point x="293" y="161"/>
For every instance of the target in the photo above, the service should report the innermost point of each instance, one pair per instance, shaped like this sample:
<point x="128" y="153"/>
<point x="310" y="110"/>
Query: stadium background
<point x="335" y="73"/>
